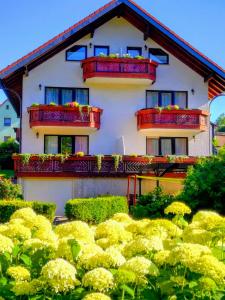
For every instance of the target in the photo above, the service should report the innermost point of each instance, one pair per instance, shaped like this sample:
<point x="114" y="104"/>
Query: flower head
<point x="18" y="273"/>
<point x="59" y="275"/>
<point x="160" y="258"/>
<point x="6" y="244"/>
<point x="17" y="232"/>
<point x="141" y="266"/>
<point x="177" y="208"/>
<point x="27" y="214"/>
<point x="98" y="279"/>
<point x="96" y="296"/>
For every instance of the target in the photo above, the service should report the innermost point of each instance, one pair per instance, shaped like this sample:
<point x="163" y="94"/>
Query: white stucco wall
<point x="119" y="101"/>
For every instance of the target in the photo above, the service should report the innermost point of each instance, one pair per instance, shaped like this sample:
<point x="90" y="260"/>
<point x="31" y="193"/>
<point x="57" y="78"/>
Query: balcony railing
<point x="73" y="166"/>
<point x="194" y="119"/>
<point x="119" y="68"/>
<point x="47" y="115"/>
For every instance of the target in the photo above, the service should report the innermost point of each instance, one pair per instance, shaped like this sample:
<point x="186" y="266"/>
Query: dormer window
<point x="159" y="56"/>
<point x="134" y="51"/>
<point x="101" y="50"/>
<point x="76" y="53"/>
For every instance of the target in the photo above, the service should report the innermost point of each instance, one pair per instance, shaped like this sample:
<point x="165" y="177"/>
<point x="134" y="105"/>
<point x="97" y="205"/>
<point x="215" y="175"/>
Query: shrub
<point x="7" y="208"/>
<point x="9" y="190"/>
<point x="152" y="205"/>
<point x="95" y="210"/>
<point x="6" y="150"/>
<point x="204" y="186"/>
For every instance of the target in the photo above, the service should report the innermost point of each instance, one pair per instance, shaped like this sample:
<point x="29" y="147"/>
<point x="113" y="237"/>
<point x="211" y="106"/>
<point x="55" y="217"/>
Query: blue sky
<point x="25" y="25"/>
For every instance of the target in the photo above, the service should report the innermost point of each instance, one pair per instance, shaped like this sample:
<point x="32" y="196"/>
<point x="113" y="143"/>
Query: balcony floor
<point x="120" y="81"/>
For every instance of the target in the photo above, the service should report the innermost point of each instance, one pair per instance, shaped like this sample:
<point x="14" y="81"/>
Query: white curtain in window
<point x="180" y="99"/>
<point x="81" y="144"/>
<point x="152" y="146"/>
<point x="67" y="96"/>
<point x="166" y="99"/>
<point x="51" y="144"/>
<point x="152" y="99"/>
<point x="166" y="147"/>
<point x="82" y="96"/>
<point x="52" y="95"/>
<point x="181" y="146"/>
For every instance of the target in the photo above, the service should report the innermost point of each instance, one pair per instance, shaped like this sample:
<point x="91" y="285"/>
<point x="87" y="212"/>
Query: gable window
<point x="64" y="144"/>
<point x="167" y="146"/>
<point x="165" y="98"/>
<point x="98" y="50"/>
<point x="134" y="51"/>
<point x="7" y="121"/>
<point x="7" y="107"/>
<point x="63" y="95"/>
<point x="76" y="53"/>
<point x="159" y="56"/>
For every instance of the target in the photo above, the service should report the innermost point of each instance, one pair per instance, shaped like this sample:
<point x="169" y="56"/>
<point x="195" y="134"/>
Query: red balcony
<point x="193" y="120"/>
<point x="74" y="166"/>
<point x="47" y="115"/>
<point x="104" y="69"/>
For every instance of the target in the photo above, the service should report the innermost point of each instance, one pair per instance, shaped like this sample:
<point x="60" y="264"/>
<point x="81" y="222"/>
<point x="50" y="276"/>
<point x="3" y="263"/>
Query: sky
<point x="26" y="24"/>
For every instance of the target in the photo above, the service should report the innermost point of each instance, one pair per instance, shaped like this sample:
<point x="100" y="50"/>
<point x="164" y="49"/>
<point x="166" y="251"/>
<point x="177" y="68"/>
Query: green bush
<point x="204" y="186"/>
<point x="9" y="190"/>
<point x="6" y="150"/>
<point x="152" y="205"/>
<point x="7" y="208"/>
<point x="95" y="210"/>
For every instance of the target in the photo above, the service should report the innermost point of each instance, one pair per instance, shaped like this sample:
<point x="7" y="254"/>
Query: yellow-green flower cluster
<point x="18" y="273"/>
<point x="96" y="296"/>
<point x="177" y="208"/>
<point x="98" y="279"/>
<point x="6" y="244"/>
<point x="59" y="275"/>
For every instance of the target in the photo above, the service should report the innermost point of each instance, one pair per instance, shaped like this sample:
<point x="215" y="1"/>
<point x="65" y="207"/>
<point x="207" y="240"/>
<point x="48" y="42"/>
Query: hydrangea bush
<point x="121" y="258"/>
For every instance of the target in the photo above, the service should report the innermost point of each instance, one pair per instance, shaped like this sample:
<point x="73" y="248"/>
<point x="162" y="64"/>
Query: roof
<point x="141" y="19"/>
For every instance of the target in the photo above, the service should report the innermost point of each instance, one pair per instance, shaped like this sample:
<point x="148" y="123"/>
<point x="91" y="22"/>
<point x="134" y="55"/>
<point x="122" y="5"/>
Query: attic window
<point x="76" y="53"/>
<point x="159" y="56"/>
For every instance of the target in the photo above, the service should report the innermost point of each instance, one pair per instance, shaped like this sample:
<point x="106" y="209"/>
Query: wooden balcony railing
<point x="47" y="115"/>
<point x="119" y="68"/>
<point x="172" y="119"/>
<point x="74" y="166"/>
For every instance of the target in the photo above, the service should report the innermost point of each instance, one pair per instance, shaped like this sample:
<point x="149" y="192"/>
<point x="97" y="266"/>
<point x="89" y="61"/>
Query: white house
<point x="140" y="91"/>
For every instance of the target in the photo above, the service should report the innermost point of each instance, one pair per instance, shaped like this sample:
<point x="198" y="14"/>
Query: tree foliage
<point x="220" y="122"/>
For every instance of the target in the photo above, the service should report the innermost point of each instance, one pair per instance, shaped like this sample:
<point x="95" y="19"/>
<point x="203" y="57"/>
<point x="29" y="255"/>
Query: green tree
<point x="6" y="150"/>
<point x="204" y="186"/>
<point x="220" y="122"/>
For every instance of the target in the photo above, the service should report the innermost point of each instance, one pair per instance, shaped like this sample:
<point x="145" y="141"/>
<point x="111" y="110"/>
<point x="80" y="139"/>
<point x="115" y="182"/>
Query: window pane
<point x="81" y="144"/>
<point x="101" y="50"/>
<point x="180" y="99"/>
<point x="52" y="95"/>
<point x="67" y="96"/>
<point x="166" y="99"/>
<point x="152" y="146"/>
<point x="51" y="144"/>
<point x="159" y="56"/>
<point x="82" y="96"/>
<point x="181" y="146"/>
<point x="66" y="145"/>
<point x="134" y="51"/>
<point x="7" y="121"/>
<point x="152" y="99"/>
<point x="166" y="147"/>
<point x="76" y="53"/>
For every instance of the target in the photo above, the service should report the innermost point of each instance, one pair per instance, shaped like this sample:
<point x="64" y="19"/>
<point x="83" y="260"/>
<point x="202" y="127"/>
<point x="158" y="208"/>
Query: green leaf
<point x="26" y="259"/>
<point x="128" y="290"/>
<point x="75" y="248"/>
<point x="3" y="281"/>
<point x="15" y="251"/>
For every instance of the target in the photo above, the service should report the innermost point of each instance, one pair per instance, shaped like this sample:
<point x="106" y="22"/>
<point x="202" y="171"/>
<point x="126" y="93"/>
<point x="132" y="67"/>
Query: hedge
<point x="95" y="210"/>
<point x="7" y="208"/>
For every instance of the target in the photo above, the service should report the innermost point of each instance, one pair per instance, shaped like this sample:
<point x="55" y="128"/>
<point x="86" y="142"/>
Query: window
<point x="7" y="107"/>
<point x="167" y="146"/>
<point x="6" y="138"/>
<point x="66" y="144"/>
<point x="134" y="51"/>
<point x="101" y="50"/>
<point x="63" y="95"/>
<point x="7" y="121"/>
<point x="76" y="53"/>
<point x="165" y="98"/>
<point x="159" y="56"/>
